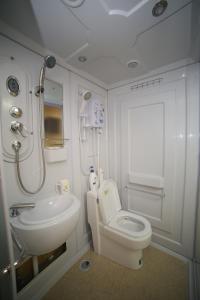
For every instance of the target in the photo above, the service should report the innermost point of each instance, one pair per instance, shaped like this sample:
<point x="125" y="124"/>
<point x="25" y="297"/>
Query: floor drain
<point x="85" y="265"/>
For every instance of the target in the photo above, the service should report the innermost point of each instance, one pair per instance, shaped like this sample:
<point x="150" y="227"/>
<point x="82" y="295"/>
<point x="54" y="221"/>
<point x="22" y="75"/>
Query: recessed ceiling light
<point x="159" y="8"/>
<point x="132" y="64"/>
<point x="82" y="59"/>
<point x="73" y="3"/>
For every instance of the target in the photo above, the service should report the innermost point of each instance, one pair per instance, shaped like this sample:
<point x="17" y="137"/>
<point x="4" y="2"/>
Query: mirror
<point x="53" y="114"/>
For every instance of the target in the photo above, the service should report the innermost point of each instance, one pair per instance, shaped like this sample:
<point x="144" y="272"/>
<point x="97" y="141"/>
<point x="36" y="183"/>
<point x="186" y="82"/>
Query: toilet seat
<point x="117" y="234"/>
<point x="122" y="226"/>
<point x="124" y="237"/>
<point x="130" y="224"/>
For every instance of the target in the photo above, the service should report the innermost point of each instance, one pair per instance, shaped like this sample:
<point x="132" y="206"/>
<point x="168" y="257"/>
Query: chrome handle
<point x="27" y="131"/>
<point x="5" y="270"/>
<point x="19" y="128"/>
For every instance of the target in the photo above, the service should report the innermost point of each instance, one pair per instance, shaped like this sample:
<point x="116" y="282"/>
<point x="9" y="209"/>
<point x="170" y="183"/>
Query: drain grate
<point x="85" y="265"/>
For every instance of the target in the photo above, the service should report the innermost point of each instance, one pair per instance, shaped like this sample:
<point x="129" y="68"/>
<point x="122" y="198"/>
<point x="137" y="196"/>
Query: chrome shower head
<point x="49" y="61"/>
<point x="87" y="95"/>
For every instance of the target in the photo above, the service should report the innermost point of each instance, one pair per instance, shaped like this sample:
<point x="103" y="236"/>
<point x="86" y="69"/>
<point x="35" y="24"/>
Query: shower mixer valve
<point x="19" y="128"/>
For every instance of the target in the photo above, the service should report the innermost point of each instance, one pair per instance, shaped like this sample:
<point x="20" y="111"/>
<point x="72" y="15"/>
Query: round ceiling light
<point x="73" y="3"/>
<point x="159" y="8"/>
<point x="82" y="59"/>
<point x="132" y="64"/>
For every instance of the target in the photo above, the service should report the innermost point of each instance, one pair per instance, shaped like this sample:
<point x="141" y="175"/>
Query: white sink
<point x="48" y="225"/>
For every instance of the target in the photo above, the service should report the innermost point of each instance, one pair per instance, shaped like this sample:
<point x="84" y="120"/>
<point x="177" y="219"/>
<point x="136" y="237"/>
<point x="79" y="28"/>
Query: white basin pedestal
<point x="48" y="225"/>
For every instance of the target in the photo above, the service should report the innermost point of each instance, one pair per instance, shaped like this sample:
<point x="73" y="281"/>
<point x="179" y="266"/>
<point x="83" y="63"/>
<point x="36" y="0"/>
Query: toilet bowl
<point x="117" y="234"/>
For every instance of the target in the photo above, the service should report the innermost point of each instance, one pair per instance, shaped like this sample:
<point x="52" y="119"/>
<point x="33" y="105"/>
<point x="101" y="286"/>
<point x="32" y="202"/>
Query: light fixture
<point x="132" y="64"/>
<point x="159" y="8"/>
<point x="82" y="59"/>
<point x="73" y="3"/>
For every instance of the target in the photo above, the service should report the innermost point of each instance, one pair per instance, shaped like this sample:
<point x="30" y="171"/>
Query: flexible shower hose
<point x="42" y="154"/>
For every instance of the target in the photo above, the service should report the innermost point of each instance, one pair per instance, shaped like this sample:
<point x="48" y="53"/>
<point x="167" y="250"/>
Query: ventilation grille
<point x="146" y="84"/>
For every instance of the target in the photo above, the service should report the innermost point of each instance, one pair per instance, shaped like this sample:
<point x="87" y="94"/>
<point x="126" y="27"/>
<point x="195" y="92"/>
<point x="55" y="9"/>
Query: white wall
<point x="80" y="180"/>
<point x="169" y="207"/>
<point x="27" y="65"/>
<point x="197" y="253"/>
<point x="197" y="247"/>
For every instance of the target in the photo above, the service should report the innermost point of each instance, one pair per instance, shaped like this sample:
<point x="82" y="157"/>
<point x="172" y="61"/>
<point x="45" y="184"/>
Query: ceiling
<point x="109" y="33"/>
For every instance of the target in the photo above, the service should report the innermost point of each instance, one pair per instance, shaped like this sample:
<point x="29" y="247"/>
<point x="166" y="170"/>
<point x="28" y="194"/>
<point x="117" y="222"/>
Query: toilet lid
<point x="109" y="201"/>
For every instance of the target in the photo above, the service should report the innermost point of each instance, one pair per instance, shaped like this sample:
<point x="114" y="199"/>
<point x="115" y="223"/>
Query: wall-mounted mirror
<point x="53" y="114"/>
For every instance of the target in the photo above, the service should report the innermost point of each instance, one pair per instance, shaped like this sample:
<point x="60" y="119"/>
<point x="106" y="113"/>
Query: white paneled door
<point x="153" y="143"/>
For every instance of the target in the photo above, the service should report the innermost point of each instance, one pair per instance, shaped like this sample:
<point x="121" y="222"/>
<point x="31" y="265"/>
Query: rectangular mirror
<point x="53" y="114"/>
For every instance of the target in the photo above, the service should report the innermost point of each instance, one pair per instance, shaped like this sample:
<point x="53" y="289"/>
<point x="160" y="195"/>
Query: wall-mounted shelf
<point x="55" y="154"/>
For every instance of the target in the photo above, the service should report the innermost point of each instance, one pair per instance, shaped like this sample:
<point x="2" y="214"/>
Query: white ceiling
<point x="108" y="32"/>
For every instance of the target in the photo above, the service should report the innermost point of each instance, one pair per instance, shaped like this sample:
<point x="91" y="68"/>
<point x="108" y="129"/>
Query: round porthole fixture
<point x="132" y="64"/>
<point x="82" y="59"/>
<point x="12" y="85"/>
<point x="159" y="8"/>
<point x="73" y="3"/>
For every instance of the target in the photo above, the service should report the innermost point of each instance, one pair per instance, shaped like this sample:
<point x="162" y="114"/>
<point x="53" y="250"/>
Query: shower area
<point x="47" y="148"/>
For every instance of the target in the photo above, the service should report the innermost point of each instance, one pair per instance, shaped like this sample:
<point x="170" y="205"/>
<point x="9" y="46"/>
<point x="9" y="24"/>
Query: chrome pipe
<point x="23" y="205"/>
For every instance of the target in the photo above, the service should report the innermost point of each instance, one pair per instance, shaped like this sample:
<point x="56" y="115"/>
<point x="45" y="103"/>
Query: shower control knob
<point x="15" y="112"/>
<point x="16" y="127"/>
<point x="19" y="128"/>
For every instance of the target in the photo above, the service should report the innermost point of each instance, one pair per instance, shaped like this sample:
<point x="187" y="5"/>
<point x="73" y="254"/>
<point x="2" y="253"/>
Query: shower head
<point x="87" y="95"/>
<point x="49" y="61"/>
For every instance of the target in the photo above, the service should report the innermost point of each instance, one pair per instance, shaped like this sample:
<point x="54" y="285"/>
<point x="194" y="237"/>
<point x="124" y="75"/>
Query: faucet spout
<point x="14" y="209"/>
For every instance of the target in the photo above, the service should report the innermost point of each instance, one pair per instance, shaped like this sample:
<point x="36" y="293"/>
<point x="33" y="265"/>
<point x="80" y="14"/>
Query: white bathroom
<point x="99" y="149"/>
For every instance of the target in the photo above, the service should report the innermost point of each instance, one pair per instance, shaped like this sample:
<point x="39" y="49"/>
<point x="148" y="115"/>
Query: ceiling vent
<point x="73" y="3"/>
<point x="132" y="64"/>
<point x="82" y="59"/>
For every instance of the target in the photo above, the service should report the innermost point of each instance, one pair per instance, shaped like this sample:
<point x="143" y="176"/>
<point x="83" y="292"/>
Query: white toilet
<point x="117" y="234"/>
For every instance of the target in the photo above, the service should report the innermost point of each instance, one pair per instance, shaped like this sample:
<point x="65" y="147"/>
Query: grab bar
<point x="162" y="194"/>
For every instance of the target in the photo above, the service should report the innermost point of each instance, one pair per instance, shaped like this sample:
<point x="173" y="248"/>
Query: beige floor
<point x="162" y="277"/>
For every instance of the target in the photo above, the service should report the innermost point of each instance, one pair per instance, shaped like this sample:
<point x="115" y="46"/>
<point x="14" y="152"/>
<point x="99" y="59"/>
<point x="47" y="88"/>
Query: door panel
<point x="153" y="154"/>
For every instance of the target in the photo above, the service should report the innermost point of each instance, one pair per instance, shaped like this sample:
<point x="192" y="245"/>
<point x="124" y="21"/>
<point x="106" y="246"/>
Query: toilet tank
<point x="109" y="201"/>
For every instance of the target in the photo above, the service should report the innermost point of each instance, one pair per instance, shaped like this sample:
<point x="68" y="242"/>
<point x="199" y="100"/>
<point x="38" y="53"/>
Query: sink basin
<point x="48" y="225"/>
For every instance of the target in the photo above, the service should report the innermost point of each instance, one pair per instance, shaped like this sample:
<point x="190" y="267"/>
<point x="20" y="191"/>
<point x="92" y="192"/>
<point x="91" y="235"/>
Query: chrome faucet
<point x="14" y="209"/>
